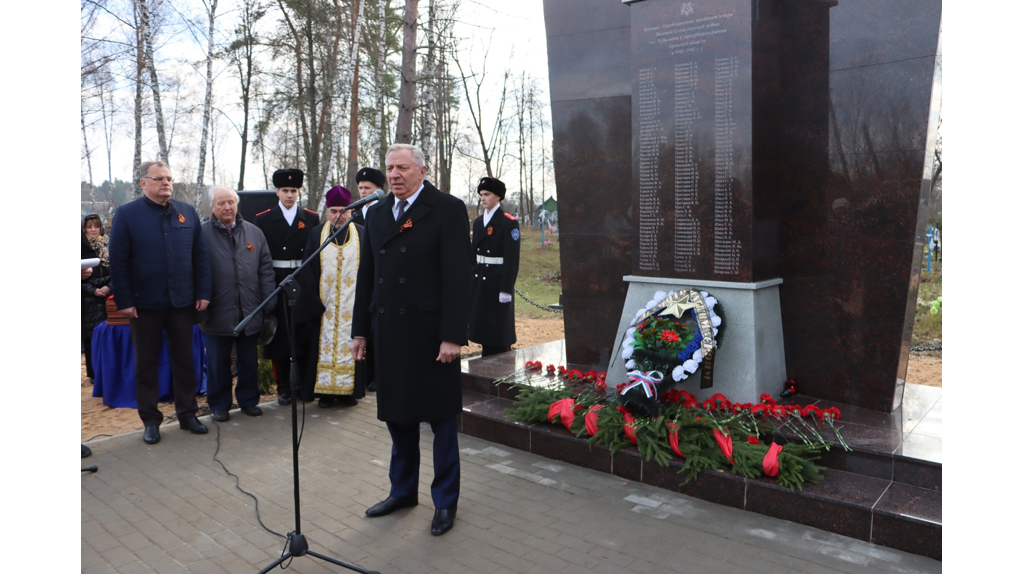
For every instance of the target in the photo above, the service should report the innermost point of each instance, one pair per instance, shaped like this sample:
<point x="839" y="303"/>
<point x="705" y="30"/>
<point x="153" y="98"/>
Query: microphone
<point x="375" y="196"/>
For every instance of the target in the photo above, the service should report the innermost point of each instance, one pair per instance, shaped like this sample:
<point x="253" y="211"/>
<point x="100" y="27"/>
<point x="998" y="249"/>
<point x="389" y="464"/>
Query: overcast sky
<point x="511" y="33"/>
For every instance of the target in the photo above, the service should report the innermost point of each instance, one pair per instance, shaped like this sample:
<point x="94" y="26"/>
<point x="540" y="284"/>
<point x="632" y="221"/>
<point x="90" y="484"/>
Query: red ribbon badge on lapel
<point x="406" y="225"/>
<point x="302" y="225"/>
<point x="490" y="231"/>
<point x="249" y="246"/>
<point x="181" y="218"/>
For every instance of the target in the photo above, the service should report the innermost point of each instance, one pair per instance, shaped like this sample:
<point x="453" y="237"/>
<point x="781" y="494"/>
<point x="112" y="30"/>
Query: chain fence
<point x="536" y="304"/>
<point x="927" y="348"/>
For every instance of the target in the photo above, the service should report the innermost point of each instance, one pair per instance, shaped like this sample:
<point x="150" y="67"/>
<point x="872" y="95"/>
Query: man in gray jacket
<point x="243" y="277"/>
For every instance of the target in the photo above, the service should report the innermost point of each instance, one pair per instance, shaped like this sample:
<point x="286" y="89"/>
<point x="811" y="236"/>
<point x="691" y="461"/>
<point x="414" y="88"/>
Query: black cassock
<point x="286" y="243"/>
<point x="492" y="323"/>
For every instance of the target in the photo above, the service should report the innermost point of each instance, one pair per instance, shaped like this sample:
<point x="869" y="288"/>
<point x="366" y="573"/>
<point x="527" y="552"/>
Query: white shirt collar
<point x="289" y="214"/>
<point x="489" y="214"/>
<point x="412" y="198"/>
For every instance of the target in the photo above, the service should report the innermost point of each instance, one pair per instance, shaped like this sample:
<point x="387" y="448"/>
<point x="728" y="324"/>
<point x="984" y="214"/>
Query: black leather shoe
<point x="193" y="425"/>
<point x="284" y="400"/>
<point x="325" y="403"/>
<point x="444" y="519"/>
<point x="221" y="416"/>
<point x="152" y="434"/>
<point x="372" y="387"/>
<point x="253" y="411"/>
<point x="391" y="504"/>
<point x="86" y="451"/>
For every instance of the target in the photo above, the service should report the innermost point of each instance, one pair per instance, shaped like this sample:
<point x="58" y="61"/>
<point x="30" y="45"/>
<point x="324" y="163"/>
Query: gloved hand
<point x="504" y="298"/>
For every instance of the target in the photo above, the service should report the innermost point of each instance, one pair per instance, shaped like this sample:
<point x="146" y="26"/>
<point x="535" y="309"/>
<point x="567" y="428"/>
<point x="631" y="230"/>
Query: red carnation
<point x="753" y="439"/>
<point x="669" y="336"/>
<point x="600" y="385"/>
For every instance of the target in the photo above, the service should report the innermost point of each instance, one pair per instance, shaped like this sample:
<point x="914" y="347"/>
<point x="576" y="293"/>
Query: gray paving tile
<point x="170" y="508"/>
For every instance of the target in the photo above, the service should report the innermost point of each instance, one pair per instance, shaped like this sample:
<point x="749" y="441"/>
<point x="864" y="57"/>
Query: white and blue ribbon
<point x="646" y="379"/>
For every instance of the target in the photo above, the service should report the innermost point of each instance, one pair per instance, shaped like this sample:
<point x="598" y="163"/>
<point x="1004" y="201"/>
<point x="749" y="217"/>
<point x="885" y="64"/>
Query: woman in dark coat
<point x="96" y="288"/>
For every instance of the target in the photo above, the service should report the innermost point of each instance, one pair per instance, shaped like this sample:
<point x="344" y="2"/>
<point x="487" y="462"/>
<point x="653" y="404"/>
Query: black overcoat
<point x="286" y="242"/>
<point x="414" y="281"/>
<point x="492" y="323"/>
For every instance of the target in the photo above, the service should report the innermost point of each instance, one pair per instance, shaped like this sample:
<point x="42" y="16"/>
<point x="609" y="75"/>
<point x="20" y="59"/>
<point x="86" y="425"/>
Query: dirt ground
<point x="99" y="420"/>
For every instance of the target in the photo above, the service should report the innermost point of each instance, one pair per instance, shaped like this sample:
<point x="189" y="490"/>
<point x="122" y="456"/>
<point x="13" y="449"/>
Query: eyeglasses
<point x="159" y="179"/>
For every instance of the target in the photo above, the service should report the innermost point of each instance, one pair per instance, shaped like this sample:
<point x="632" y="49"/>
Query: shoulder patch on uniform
<point x="510" y="217"/>
<point x="515" y="235"/>
<point x="262" y="212"/>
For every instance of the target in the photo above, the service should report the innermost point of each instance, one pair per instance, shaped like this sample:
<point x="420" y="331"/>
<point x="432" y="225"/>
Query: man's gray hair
<point x="417" y="153"/>
<point x="144" y="167"/>
<point x="213" y="193"/>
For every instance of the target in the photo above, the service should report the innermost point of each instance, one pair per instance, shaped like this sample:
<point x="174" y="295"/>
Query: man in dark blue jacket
<point x="160" y="274"/>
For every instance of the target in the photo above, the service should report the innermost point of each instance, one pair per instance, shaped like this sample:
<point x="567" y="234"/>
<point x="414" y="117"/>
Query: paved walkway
<point x="171" y="508"/>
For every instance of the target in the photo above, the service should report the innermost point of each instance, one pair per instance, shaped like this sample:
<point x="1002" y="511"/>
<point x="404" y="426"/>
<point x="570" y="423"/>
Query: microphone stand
<point x="297" y="545"/>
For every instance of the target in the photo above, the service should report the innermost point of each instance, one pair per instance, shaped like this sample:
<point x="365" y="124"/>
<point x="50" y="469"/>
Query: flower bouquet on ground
<point x="751" y="440"/>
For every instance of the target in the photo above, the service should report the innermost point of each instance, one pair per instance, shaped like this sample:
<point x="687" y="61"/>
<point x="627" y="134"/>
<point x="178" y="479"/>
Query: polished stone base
<point x="750" y="359"/>
<point x="887" y="491"/>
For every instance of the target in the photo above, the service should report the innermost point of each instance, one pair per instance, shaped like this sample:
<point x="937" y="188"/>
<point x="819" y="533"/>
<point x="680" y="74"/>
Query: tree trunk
<point x="353" y="130"/>
<point x="140" y="64"/>
<point x="207" y="106"/>
<point x="407" y="91"/>
<point x="147" y="37"/>
<point x="429" y="103"/>
<point x="379" y="81"/>
<point x="88" y="162"/>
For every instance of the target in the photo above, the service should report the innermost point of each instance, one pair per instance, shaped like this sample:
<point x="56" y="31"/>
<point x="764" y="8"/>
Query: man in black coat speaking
<point x="412" y="293"/>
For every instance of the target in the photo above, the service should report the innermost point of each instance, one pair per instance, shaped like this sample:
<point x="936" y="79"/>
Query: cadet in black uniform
<point x="496" y="247"/>
<point x="368" y="180"/>
<point x="286" y="227"/>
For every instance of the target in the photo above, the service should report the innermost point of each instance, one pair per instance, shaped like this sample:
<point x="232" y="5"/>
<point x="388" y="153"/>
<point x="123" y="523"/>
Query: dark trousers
<point x="405" y="461"/>
<point x="307" y="355"/>
<point x="147" y="336"/>
<point x="218" y="368"/>
<point x="487" y="350"/>
<point x="87" y="351"/>
<point x="281" y="369"/>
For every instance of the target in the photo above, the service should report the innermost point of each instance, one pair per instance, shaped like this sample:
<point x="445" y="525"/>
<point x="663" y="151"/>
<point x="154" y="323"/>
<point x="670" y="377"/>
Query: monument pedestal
<point x="750" y="358"/>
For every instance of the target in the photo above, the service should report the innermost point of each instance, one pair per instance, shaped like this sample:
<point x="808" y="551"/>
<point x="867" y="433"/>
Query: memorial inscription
<point x="691" y="180"/>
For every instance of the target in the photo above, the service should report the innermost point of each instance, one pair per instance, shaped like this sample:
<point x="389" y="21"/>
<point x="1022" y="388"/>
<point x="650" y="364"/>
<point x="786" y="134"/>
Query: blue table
<point x="113" y="356"/>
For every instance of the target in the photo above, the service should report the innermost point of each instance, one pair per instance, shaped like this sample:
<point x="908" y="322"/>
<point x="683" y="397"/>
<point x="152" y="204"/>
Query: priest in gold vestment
<point x="324" y="311"/>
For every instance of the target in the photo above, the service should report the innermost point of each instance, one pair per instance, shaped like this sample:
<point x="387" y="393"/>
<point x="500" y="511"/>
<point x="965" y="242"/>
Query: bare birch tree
<point x="242" y="53"/>
<point x="207" y="104"/>
<point x="494" y="143"/>
<point x="154" y="81"/>
<point x="315" y="30"/>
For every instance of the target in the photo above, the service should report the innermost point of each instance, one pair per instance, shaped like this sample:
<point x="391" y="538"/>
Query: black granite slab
<point x="719" y="487"/>
<point x="910" y="518"/>
<point x="877" y="492"/>
<point x="841" y="503"/>
<point x="554" y="442"/>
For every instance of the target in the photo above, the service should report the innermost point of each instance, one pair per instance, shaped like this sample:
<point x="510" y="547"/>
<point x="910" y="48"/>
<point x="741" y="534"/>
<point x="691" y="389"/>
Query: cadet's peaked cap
<point x="372" y="175"/>
<point x="338" y="196"/>
<point x="492" y="185"/>
<point x="288" y="178"/>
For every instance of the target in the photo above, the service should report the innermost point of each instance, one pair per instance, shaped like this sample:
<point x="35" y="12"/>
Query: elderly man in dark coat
<point x="492" y="322"/>
<point x="160" y="274"/>
<point x="242" y="278"/>
<point x="412" y="291"/>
